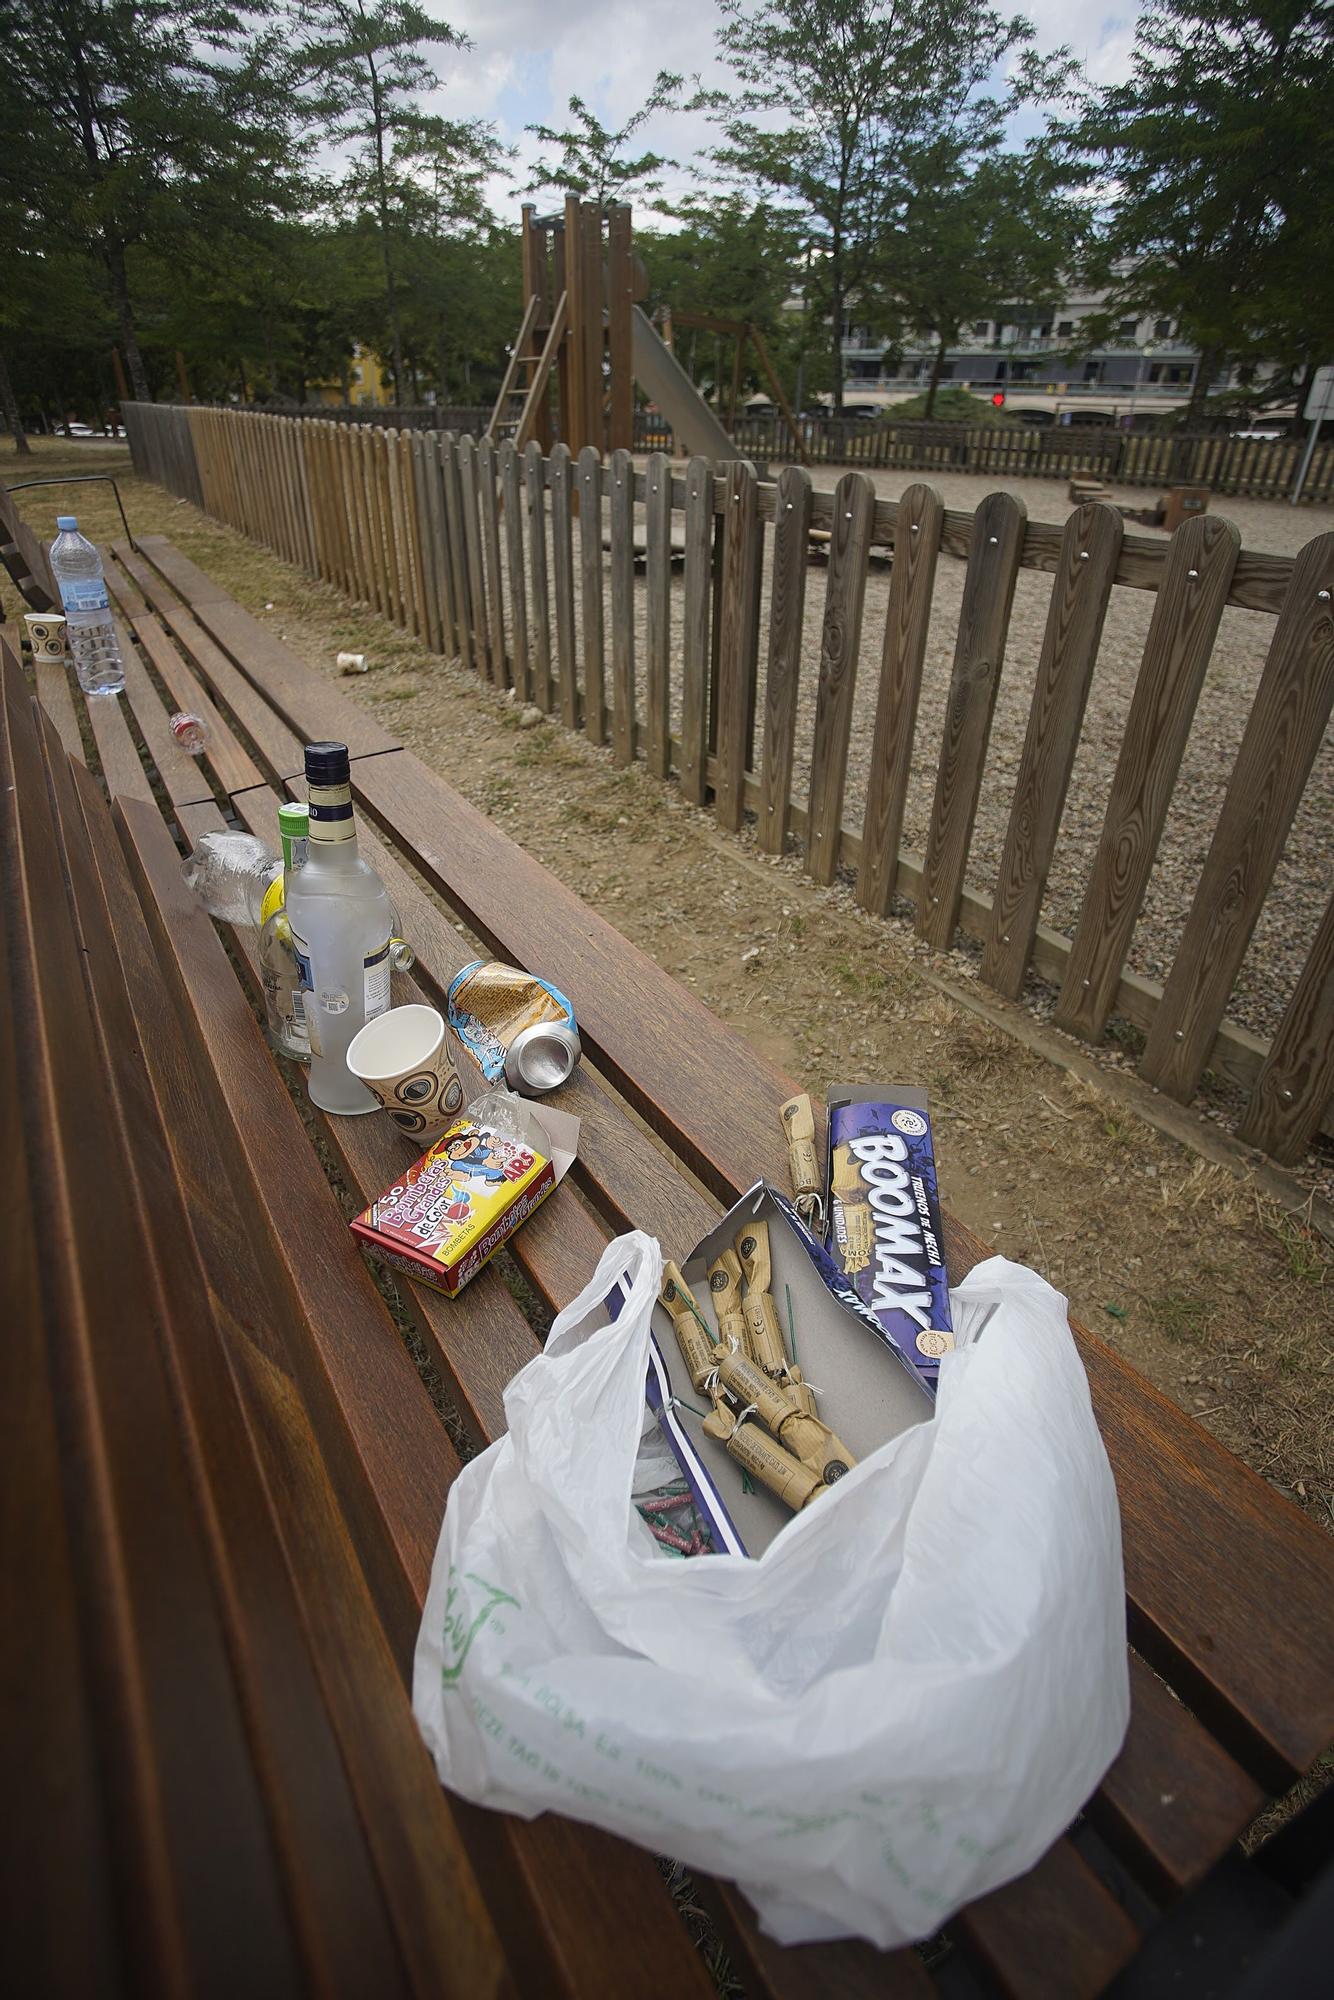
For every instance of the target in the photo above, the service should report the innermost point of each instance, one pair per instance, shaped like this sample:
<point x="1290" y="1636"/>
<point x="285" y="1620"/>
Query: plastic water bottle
<point x="89" y="632"/>
<point x="230" y="873"/>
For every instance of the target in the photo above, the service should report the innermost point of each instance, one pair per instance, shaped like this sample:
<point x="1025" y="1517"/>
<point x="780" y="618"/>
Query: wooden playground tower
<point x="579" y="295"/>
<point x="586" y="335"/>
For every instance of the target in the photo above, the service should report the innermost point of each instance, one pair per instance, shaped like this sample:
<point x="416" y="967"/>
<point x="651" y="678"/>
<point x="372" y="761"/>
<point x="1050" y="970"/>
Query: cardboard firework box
<point x="884" y="1217"/>
<point x="454" y="1207"/>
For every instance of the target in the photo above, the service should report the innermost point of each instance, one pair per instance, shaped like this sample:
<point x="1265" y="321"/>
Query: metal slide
<point x="661" y="377"/>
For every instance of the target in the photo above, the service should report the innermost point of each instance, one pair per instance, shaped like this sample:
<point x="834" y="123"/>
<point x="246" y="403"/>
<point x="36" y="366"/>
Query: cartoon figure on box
<point x="478" y="1163"/>
<point x="477" y="1156"/>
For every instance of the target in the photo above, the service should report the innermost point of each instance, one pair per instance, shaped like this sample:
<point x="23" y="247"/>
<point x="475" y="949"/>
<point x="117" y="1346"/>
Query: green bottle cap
<point x="293" y="824"/>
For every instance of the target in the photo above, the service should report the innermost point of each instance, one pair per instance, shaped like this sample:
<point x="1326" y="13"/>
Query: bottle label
<point x="309" y="1014"/>
<point x="331" y="812"/>
<point x="84" y="593"/>
<point x="377" y="982"/>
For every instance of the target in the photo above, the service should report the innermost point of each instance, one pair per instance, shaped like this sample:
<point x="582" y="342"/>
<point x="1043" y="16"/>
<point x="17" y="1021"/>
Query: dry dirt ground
<point x="1210" y="1289"/>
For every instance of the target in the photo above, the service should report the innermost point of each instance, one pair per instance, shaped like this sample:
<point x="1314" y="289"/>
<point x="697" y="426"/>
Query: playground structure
<point x="586" y="340"/>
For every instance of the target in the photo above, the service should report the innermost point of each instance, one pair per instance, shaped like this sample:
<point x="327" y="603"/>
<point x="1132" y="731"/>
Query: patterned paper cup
<point x="46" y="634"/>
<point x="403" y="1060"/>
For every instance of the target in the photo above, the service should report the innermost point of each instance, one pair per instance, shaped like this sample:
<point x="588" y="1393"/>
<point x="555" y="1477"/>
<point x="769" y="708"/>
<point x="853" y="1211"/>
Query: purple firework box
<point x="884" y="1217"/>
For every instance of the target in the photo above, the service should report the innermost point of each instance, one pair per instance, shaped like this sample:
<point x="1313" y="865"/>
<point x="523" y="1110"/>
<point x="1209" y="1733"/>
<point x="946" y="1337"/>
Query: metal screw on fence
<point x="1323" y="596"/>
<point x="1083" y="555"/>
<point x="1192" y="572"/>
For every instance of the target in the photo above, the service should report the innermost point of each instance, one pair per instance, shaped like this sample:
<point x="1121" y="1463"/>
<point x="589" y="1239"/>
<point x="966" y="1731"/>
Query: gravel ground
<point x="1305" y="876"/>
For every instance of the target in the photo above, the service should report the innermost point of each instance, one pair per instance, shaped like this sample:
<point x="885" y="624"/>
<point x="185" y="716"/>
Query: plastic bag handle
<point x="634" y="1263"/>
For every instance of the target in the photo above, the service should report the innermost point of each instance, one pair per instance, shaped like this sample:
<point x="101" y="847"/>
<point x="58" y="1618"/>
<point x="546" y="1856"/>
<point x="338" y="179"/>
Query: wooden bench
<point x="232" y="1473"/>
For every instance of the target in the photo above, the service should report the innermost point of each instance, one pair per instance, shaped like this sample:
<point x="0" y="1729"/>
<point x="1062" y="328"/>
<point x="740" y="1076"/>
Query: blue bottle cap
<point x="67" y="521"/>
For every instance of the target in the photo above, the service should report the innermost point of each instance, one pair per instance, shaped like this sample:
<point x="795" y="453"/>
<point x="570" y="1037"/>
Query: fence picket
<point x="358" y="475"/>
<point x="738" y="649"/>
<point x="590" y="593"/>
<point x="513" y="512"/>
<point x="787" y="612"/>
<point x="561" y="481"/>
<point x="696" y="629"/>
<point x="979" y="653"/>
<point x="1176" y="657"/>
<point x="466" y="452"/>
<point x="486" y="481"/>
<point x="840" y="645"/>
<point x="534" y="489"/>
<point x="1079" y="598"/>
<point x="917" y="532"/>
<point x="424" y="540"/>
<point x="1296" y="1080"/>
<point x="388" y="538"/>
<point x="456" y="537"/>
<point x="658" y="615"/>
<point x="621" y="475"/>
<point x="1283" y="734"/>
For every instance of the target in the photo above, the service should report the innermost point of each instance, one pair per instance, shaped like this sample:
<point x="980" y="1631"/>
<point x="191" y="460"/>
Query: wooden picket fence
<point x="475" y="551"/>
<point x="1251" y="468"/>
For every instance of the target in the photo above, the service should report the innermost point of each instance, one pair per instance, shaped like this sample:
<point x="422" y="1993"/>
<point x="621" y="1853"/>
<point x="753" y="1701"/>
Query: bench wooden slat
<point x="24" y="557"/>
<point x="55" y="697"/>
<point x="56" y="1897"/>
<point x="232" y="766"/>
<point x="390" y="1457"/>
<point x="157" y="1651"/>
<point x="327" y="1861"/>
<point x="253" y="712"/>
<point x="1048" y="1936"/>
<point x="265" y="660"/>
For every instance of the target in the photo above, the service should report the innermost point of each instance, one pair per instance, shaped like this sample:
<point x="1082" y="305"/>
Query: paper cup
<point x="46" y="634"/>
<point x="402" y="1059"/>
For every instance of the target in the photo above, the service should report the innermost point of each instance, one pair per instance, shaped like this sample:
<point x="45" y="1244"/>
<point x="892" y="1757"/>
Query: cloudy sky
<point x="529" y="56"/>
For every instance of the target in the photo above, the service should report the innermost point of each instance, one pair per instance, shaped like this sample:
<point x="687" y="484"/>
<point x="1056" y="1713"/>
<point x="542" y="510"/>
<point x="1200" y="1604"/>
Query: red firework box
<point x="453" y="1208"/>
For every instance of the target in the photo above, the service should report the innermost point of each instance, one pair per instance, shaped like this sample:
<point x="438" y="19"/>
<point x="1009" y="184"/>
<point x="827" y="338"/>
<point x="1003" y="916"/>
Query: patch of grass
<point x="1305" y="1253"/>
<point x="1177" y="1316"/>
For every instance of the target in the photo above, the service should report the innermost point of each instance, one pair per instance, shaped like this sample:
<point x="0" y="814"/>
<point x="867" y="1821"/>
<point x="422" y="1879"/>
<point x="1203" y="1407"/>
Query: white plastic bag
<point x="899" y="1706"/>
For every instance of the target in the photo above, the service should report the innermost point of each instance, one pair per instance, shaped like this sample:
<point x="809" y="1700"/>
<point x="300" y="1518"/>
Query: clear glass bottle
<point x="340" y="922"/>
<point x="89" y="631"/>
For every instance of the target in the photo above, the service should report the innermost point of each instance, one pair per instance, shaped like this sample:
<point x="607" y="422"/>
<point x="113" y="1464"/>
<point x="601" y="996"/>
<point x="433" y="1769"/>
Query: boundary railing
<point x="476" y="551"/>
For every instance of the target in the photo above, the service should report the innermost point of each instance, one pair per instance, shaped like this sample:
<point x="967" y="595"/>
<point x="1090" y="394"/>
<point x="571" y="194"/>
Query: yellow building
<point x="370" y="382"/>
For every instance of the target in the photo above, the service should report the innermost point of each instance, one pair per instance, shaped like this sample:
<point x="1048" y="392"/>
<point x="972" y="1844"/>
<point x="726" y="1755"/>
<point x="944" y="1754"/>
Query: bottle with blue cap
<point x="340" y="920"/>
<point x="89" y="631"/>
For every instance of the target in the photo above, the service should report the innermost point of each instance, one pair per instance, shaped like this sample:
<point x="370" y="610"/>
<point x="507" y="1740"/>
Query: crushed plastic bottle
<point x="230" y="872"/>
<point x="191" y="732"/>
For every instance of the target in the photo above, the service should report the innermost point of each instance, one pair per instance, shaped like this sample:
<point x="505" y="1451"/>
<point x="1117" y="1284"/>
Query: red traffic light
<point x="998" y="400"/>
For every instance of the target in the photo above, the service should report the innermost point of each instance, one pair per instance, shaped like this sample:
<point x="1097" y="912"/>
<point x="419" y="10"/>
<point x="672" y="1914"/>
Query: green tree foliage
<point x="143" y="122"/>
<point x="737" y="259"/>
<point x="591" y="162"/>
<point x="851" y="110"/>
<point x="1008" y="235"/>
<point x="364" y="72"/>
<point x="1218" y="179"/>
